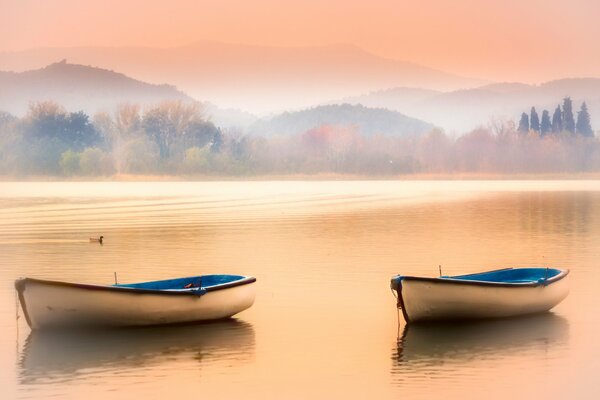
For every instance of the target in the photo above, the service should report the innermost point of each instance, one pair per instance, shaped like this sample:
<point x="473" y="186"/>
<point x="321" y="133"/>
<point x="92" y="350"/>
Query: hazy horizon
<point x="266" y="57"/>
<point x="258" y="79"/>
<point x="19" y="65"/>
<point x="508" y="41"/>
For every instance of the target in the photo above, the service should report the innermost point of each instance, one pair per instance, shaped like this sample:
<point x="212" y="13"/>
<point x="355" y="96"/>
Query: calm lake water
<point x="324" y="324"/>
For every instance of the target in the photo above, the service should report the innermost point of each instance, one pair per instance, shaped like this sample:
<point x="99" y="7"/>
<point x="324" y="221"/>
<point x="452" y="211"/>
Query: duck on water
<point x="97" y="240"/>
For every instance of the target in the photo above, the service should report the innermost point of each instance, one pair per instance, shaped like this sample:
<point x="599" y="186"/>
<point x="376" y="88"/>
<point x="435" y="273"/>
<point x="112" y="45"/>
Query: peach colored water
<point x="324" y="324"/>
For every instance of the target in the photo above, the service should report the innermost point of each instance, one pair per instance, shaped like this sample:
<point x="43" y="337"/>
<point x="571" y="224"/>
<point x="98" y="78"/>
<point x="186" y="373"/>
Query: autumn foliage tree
<point x="176" y="126"/>
<point x="51" y="141"/>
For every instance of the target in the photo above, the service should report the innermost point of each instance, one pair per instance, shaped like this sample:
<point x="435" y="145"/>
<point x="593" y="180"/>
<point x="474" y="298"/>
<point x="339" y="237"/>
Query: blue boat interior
<point x="512" y="275"/>
<point x="192" y="282"/>
<point x="508" y="275"/>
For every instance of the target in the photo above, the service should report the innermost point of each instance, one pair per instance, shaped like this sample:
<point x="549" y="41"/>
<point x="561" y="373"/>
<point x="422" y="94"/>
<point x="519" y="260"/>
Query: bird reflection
<point x="432" y="344"/>
<point x="64" y="355"/>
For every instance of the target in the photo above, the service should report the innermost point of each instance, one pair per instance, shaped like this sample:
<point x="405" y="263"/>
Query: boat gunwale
<point x="21" y="283"/>
<point x="451" y="280"/>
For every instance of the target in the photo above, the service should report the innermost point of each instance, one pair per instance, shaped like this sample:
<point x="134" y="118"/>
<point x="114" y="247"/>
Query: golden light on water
<point x="324" y="321"/>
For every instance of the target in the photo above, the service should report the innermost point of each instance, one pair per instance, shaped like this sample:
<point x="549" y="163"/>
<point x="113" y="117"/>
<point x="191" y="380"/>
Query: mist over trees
<point x="51" y="141"/>
<point x="562" y="120"/>
<point x="567" y="112"/>
<point x="524" y="123"/>
<point x="584" y="125"/>
<point x="535" y="120"/>
<point x="545" y="125"/>
<point x="557" y="120"/>
<point x="175" y="138"/>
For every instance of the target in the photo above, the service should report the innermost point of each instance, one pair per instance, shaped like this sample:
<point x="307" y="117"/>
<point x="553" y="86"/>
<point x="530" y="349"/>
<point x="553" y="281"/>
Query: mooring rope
<point x="17" y="307"/>
<point x="17" y="319"/>
<point x="397" y="313"/>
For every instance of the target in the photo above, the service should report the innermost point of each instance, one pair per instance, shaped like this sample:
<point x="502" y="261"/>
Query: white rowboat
<point x="54" y="304"/>
<point x="494" y="294"/>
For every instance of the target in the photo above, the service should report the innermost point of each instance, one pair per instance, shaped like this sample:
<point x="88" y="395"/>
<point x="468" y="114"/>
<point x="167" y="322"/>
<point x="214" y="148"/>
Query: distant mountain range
<point x="393" y="111"/>
<point x="91" y="89"/>
<point x="367" y="121"/>
<point x="260" y="79"/>
<point x="463" y="110"/>
<point x="79" y="87"/>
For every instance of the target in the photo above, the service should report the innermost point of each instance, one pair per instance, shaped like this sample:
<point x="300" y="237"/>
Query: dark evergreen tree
<point x="534" y="120"/>
<point x="557" y="122"/>
<point x="524" y="123"/>
<point x="546" y="125"/>
<point x="584" y="127"/>
<point x="568" y="119"/>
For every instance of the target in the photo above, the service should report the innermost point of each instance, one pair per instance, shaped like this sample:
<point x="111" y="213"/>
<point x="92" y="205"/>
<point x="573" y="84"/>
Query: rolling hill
<point x="463" y="110"/>
<point x="91" y="89"/>
<point x="368" y="121"/>
<point x="79" y="87"/>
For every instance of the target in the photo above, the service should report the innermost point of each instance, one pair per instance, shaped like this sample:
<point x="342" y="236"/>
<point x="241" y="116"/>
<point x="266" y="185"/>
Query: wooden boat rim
<point x="451" y="280"/>
<point x="21" y="283"/>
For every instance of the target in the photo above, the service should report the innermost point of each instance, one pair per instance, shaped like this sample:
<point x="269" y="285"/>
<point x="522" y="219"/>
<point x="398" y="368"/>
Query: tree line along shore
<point x="175" y="138"/>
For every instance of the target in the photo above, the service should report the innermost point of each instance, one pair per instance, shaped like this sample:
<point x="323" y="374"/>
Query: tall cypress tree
<point x="568" y="120"/>
<point x="557" y="123"/>
<point x="546" y="125"/>
<point x="584" y="127"/>
<point x="524" y="123"/>
<point x="534" y="120"/>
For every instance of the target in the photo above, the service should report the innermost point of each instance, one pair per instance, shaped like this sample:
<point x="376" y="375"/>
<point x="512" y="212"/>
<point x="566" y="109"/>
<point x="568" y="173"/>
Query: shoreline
<point x="310" y="177"/>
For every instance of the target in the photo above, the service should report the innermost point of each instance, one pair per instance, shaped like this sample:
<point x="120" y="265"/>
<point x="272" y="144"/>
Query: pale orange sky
<point x="532" y="41"/>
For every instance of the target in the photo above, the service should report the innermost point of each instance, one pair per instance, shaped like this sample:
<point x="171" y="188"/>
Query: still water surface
<point x="324" y="324"/>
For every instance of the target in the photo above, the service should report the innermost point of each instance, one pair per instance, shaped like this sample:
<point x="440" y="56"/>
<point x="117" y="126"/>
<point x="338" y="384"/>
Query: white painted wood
<point x="60" y="306"/>
<point x="426" y="300"/>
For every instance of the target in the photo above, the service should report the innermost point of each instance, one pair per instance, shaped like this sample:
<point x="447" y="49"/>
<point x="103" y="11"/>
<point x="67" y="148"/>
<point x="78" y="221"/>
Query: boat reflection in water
<point x="437" y="346"/>
<point x="63" y="355"/>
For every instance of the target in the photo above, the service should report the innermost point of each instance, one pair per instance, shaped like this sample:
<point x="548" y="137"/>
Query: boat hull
<point x="48" y="304"/>
<point x="445" y="299"/>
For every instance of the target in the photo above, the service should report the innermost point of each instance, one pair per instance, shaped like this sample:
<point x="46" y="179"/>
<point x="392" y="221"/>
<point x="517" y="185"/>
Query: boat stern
<point x="20" y="285"/>
<point x="396" y="286"/>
